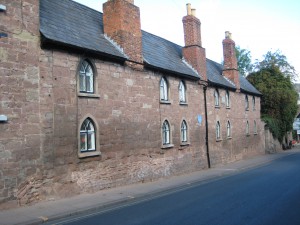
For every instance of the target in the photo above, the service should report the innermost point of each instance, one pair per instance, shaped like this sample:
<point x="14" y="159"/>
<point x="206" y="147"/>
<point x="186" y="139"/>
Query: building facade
<point x="90" y="101"/>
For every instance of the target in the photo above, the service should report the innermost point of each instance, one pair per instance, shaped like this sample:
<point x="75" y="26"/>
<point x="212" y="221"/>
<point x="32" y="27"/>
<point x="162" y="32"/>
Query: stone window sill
<point x="217" y="107"/>
<point x="229" y="137"/>
<point x="167" y="146"/>
<point x="89" y="154"/>
<point x="183" y="103"/>
<point x="165" y="102"/>
<point x="88" y="95"/>
<point x="218" y="140"/>
<point x="227" y="107"/>
<point x="184" y="144"/>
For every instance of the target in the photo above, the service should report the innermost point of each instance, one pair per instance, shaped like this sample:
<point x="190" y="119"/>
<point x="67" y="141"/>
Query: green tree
<point x="277" y="59"/>
<point x="243" y="60"/>
<point x="279" y="100"/>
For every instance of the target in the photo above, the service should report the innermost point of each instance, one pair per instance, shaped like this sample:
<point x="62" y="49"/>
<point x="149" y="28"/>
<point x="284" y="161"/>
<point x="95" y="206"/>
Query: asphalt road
<point x="268" y="195"/>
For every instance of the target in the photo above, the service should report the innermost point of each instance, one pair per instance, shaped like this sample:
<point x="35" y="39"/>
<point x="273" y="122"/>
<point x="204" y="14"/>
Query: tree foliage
<point x="279" y="100"/>
<point x="243" y="60"/>
<point x="277" y="59"/>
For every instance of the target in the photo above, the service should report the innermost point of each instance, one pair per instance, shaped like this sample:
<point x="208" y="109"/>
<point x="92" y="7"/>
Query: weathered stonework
<point x="39" y="143"/>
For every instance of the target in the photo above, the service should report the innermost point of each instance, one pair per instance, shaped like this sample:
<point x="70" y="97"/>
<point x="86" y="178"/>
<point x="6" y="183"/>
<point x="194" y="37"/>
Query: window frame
<point x="166" y="134"/>
<point x="88" y="152"/>
<point x="217" y="98"/>
<point x="227" y="99"/>
<point x="182" y="92"/>
<point x="247" y="128"/>
<point x="218" y="131"/>
<point x="228" y="129"/>
<point x="164" y="90"/>
<point x="254" y="127"/>
<point x="184" y="132"/>
<point x="83" y="93"/>
<point x="253" y="103"/>
<point x="246" y="103"/>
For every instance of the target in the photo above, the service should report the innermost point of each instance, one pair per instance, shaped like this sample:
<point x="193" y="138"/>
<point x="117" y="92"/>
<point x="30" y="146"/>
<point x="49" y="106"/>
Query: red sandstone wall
<point x="240" y="145"/>
<point x="39" y="145"/>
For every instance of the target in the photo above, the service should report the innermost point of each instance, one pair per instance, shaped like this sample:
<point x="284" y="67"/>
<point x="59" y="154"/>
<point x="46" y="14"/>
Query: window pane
<point x="86" y="78"/>
<point x="166" y="133"/>
<point x="182" y="92"/>
<point x="83" y="142"/>
<point x="91" y="141"/>
<point x="82" y="82"/>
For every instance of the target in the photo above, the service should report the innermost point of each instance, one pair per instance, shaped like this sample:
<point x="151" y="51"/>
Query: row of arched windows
<point x="164" y="91"/>
<point x="228" y="129"/>
<point x="227" y="100"/>
<point x="166" y="133"/>
<point x="88" y="134"/>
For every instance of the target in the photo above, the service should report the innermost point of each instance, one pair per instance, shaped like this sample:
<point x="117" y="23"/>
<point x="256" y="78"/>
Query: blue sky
<point x="256" y="25"/>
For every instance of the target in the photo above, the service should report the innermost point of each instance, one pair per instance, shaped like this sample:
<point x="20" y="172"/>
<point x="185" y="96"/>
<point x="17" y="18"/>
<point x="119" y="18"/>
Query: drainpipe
<point x="205" y="84"/>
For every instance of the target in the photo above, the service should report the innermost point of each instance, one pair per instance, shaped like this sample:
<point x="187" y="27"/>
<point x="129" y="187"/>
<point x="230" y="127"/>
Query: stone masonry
<point x="39" y="143"/>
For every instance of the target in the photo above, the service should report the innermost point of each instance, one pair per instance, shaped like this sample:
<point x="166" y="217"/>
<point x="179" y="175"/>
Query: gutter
<point x="205" y="84"/>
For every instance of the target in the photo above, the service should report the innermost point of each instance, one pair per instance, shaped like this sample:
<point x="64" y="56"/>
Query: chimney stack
<point x="121" y="23"/>
<point x="230" y="62"/>
<point x="193" y="52"/>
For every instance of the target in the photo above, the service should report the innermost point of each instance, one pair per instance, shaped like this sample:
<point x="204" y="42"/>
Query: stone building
<point x="90" y="101"/>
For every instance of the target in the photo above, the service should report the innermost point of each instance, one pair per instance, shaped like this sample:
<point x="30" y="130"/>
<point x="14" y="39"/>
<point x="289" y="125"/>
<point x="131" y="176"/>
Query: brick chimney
<point x="193" y="52"/>
<point x="230" y="62"/>
<point x="121" y="22"/>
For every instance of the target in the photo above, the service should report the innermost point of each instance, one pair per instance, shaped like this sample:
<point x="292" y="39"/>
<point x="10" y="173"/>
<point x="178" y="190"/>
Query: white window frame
<point x="164" y="95"/>
<point x="227" y="99"/>
<point x="246" y="103"/>
<point x="217" y="98"/>
<point x="95" y="150"/>
<point x="218" y="130"/>
<point x="254" y="127"/>
<point x="228" y="129"/>
<point x="184" y="132"/>
<point x="247" y="128"/>
<point x="182" y="92"/>
<point x="86" y="78"/>
<point x="87" y="136"/>
<point x="166" y="133"/>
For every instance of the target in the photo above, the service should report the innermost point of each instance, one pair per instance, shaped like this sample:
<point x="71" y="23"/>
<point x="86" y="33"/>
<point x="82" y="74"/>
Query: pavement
<point x="104" y="199"/>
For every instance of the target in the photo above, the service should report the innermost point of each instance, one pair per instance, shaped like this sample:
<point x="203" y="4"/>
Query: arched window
<point x="182" y="92"/>
<point x="217" y="100"/>
<point x="87" y="136"/>
<point x="247" y="128"/>
<point x="86" y="78"/>
<point x="246" y="102"/>
<point x="218" y="130"/>
<point x="228" y="129"/>
<point x="164" y="90"/>
<point x="255" y="127"/>
<point x="227" y="99"/>
<point x="166" y="132"/>
<point x="184" y="131"/>
<point x="253" y="103"/>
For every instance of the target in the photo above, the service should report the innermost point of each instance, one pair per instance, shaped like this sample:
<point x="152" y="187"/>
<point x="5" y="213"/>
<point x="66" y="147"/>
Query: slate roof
<point x="215" y="77"/>
<point x="162" y="54"/>
<point x="72" y="24"/>
<point x="68" y="23"/>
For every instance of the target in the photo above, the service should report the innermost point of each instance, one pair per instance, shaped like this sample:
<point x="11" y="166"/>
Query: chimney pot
<point x="189" y="9"/>
<point x="228" y="35"/>
<point x="194" y="12"/>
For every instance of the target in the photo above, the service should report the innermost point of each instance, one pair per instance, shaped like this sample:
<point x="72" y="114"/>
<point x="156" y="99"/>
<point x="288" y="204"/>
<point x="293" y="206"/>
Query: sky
<point x="256" y="25"/>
